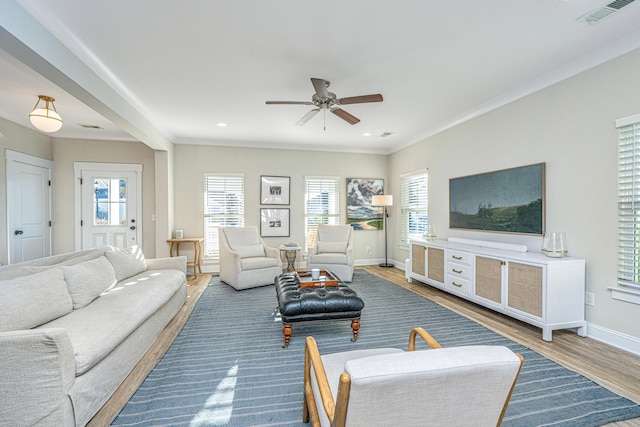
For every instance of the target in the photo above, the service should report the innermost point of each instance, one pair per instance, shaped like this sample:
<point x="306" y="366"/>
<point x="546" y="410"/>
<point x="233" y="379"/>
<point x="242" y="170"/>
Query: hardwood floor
<point x="608" y="366"/>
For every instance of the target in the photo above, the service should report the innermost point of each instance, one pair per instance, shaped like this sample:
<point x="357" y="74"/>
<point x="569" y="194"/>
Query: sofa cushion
<point x="97" y="329"/>
<point x="328" y="258"/>
<point x="258" y="263"/>
<point x="332" y="247"/>
<point x="87" y="280"/>
<point x="126" y="262"/>
<point x="29" y="301"/>
<point x="250" y="251"/>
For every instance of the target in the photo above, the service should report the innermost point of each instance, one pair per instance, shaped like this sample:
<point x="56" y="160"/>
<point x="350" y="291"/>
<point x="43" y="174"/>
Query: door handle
<point x="133" y="227"/>
<point x="18" y="232"/>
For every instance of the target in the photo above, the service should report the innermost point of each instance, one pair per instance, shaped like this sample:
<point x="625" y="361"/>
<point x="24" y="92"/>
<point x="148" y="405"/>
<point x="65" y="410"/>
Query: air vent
<point x="89" y="126"/>
<point x="597" y="15"/>
<point x="386" y="134"/>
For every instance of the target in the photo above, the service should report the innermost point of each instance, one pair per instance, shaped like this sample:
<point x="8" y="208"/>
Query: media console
<point x="543" y="291"/>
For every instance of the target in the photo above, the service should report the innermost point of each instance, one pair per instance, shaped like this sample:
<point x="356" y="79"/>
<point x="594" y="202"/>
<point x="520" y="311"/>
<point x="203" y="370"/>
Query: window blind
<point x="628" y="202"/>
<point x="414" y="203"/>
<point x="321" y="205"/>
<point x="223" y="207"/>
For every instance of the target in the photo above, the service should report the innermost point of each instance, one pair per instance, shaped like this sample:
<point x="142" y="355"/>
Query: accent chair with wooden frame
<point x="469" y="385"/>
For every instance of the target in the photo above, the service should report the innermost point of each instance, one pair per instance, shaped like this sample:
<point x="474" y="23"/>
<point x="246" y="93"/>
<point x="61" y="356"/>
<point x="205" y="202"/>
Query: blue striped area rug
<point x="227" y="366"/>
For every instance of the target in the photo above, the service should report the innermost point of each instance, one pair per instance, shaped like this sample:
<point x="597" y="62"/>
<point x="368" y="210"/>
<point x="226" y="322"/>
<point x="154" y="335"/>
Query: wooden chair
<point x="463" y="386"/>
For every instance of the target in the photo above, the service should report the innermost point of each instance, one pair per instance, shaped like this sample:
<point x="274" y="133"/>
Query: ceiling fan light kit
<point x="324" y="100"/>
<point x="45" y="119"/>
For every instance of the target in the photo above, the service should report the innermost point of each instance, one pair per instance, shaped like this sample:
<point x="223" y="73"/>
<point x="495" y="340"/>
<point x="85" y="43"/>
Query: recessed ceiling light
<point x="221" y="124"/>
<point x="366" y="134"/>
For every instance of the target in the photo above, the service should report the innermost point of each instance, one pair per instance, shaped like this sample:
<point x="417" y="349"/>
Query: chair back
<point x="333" y="238"/>
<point x="241" y="236"/>
<point x="450" y="386"/>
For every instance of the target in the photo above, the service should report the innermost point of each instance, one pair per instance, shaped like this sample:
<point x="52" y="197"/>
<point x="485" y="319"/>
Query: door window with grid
<point x="223" y="207"/>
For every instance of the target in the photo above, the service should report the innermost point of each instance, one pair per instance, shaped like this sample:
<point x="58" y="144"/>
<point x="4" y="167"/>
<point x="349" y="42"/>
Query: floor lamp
<point x="384" y="201"/>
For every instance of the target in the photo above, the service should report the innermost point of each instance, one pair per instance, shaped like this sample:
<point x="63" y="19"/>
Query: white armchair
<point x="333" y="250"/>
<point x="457" y="386"/>
<point x="245" y="260"/>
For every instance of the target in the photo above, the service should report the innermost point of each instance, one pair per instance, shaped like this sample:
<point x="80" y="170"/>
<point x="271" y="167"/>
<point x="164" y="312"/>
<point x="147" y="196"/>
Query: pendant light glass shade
<point x="45" y="117"/>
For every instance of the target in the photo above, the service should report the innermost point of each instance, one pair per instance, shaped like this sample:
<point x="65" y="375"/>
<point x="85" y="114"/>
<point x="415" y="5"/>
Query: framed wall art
<point x="361" y="215"/>
<point x="274" y="222"/>
<point x="274" y="190"/>
<point x="508" y="201"/>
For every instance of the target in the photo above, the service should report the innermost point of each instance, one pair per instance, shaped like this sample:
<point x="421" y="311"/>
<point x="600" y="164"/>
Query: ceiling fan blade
<point x="320" y="85"/>
<point x="360" y="99"/>
<point x="289" y="103"/>
<point x="345" y="116"/>
<point x="307" y="117"/>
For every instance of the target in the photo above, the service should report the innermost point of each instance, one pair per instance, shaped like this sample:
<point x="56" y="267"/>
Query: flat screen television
<point x="507" y="201"/>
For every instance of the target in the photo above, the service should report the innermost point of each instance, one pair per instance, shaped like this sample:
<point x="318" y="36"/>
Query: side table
<point x="289" y="254"/>
<point x="197" y="251"/>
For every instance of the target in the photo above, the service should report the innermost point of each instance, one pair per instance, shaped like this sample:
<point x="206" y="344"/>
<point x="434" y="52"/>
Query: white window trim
<point x="215" y="259"/>
<point x="405" y="244"/>
<point x="625" y="289"/>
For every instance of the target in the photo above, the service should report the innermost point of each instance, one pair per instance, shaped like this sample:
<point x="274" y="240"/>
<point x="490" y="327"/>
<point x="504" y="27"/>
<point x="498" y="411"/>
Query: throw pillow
<point x="87" y="280"/>
<point x="332" y="247"/>
<point x="250" y="251"/>
<point x="30" y="301"/>
<point x="126" y="262"/>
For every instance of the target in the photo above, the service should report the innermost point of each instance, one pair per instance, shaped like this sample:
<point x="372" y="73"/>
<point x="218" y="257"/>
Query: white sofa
<point x="73" y="326"/>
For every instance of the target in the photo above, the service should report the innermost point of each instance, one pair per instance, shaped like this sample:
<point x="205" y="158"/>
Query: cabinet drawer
<point x="459" y="256"/>
<point x="457" y="284"/>
<point x="459" y="270"/>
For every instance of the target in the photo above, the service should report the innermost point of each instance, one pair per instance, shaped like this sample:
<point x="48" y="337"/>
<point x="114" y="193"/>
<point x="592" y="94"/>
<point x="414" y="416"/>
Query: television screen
<point x="509" y="201"/>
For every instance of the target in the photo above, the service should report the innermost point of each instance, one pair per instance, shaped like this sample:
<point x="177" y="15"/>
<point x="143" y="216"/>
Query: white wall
<point x="570" y="127"/>
<point x="68" y="151"/>
<point x="193" y="161"/>
<point x="21" y="139"/>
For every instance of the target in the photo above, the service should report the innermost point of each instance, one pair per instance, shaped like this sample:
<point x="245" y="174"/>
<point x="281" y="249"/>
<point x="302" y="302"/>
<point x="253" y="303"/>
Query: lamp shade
<point x="45" y="118"/>
<point x="382" y="200"/>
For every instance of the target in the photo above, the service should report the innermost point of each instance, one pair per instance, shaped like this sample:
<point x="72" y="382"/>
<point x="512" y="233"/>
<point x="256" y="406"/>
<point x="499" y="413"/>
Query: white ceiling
<point x="186" y="65"/>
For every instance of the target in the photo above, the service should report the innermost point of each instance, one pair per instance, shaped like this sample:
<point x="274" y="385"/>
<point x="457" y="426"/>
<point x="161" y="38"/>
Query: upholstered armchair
<point x="245" y="260"/>
<point x="333" y="251"/>
<point x="457" y="386"/>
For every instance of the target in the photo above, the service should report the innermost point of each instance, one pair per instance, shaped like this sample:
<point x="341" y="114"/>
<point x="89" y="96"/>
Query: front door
<point x="29" y="206"/>
<point x="110" y="206"/>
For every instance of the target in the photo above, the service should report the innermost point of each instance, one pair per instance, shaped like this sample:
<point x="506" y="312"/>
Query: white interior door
<point x="28" y="206"/>
<point x="110" y="206"/>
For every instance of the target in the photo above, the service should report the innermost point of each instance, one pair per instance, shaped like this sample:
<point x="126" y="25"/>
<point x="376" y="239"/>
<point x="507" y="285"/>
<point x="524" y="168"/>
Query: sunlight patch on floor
<point x="219" y="406"/>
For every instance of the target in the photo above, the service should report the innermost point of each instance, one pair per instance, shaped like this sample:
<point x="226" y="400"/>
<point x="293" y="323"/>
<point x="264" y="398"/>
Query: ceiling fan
<point x="325" y="100"/>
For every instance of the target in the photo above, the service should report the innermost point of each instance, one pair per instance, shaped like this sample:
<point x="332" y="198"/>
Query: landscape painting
<point x="360" y="214"/>
<point x="509" y="201"/>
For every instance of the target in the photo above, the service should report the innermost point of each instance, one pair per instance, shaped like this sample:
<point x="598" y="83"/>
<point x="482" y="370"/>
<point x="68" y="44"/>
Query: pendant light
<point x="45" y="119"/>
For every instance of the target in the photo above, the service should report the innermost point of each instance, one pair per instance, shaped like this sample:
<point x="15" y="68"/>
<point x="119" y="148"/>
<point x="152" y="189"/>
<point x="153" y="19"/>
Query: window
<point x="223" y="206"/>
<point x="629" y="201"/>
<point x="321" y="205"/>
<point x="413" y="205"/>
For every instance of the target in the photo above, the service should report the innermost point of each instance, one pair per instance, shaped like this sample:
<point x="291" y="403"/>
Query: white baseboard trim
<point x="614" y="338"/>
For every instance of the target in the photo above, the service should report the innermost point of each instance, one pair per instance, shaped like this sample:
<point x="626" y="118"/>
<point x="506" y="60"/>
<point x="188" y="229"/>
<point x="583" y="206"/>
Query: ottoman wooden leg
<point x="355" y="326"/>
<point x="286" y="331"/>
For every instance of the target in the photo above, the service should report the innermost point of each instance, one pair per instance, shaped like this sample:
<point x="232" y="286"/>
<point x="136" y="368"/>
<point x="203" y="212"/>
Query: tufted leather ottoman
<point x="299" y="304"/>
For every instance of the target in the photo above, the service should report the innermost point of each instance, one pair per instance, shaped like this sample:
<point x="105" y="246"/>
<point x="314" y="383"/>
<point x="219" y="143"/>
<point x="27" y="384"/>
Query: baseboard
<point x="376" y="261"/>
<point x="614" y="338"/>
